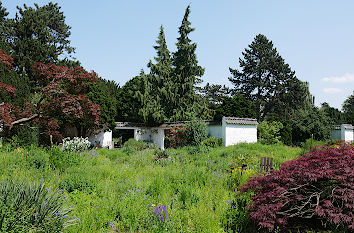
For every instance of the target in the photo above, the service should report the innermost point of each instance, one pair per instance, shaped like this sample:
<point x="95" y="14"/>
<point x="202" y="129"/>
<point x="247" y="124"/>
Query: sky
<point x="115" y="38"/>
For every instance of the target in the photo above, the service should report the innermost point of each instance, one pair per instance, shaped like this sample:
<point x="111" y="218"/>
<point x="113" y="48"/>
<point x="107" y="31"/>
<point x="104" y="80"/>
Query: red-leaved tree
<point x="61" y="100"/>
<point x="315" y="191"/>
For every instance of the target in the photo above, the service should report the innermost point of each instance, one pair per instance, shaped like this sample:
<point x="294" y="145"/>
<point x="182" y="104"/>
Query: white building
<point x="102" y="139"/>
<point x="343" y="132"/>
<point x="231" y="130"/>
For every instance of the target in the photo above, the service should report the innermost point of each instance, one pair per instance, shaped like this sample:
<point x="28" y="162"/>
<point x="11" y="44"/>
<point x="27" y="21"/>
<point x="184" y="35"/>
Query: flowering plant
<point x="177" y="136"/>
<point x="76" y="144"/>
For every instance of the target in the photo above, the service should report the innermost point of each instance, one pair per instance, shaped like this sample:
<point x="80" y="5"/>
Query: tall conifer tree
<point x="160" y="78"/>
<point x="186" y="103"/>
<point x="267" y="80"/>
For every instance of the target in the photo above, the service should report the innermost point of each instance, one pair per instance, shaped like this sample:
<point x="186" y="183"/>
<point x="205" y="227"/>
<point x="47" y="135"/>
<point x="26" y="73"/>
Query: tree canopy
<point x="61" y="103"/>
<point x="168" y="92"/>
<point x="268" y="81"/>
<point x="348" y="108"/>
<point x="39" y="34"/>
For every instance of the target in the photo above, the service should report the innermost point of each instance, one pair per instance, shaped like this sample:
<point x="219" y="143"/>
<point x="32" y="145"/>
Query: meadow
<point x="141" y="189"/>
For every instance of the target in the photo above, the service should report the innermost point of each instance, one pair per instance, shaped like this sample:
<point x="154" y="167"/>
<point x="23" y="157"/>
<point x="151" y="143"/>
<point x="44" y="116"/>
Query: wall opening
<point x="120" y="136"/>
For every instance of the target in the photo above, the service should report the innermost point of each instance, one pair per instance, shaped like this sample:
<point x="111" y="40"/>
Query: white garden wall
<point x="336" y="134"/>
<point x="215" y="131"/>
<point x="347" y="133"/>
<point x="343" y="132"/>
<point x="240" y="133"/>
<point x="155" y="135"/>
<point x="103" y="139"/>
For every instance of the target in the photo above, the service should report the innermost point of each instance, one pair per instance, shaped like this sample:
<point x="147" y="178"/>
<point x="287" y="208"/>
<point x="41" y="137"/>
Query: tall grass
<point x="111" y="191"/>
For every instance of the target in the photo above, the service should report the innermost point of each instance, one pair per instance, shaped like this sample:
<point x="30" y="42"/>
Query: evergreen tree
<point x="310" y="122"/>
<point x="186" y="104"/>
<point x="336" y="116"/>
<point x="150" y="110"/>
<point x="105" y="94"/>
<point x="4" y="28"/>
<point x="268" y="81"/>
<point x="348" y="109"/>
<point x="128" y="103"/>
<point x="39" y="34"/>
<point x="214" y="95"/>
<point x="159" y="82"/>
<point x="236" y="106"/>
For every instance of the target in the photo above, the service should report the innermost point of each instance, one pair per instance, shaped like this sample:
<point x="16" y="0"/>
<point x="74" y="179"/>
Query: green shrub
<point x="132" y="146"/>
<point x="111" y="154"/>
<point x="269" y="132"/>
<point x="25" y="136"/>
<point x="77" y="179"/>
<point x="212" y="142"/>
<point x="31" y="207"/>
<point x="236" y="218"/>
<point x="63" y="159"/>
<point x="196" y="132"/>
<point x="310" y="144"/>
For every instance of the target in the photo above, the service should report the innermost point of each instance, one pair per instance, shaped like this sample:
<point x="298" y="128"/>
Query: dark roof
<point x="229" y="120"/>
<point x="128" y="124"/>
<point x="241" y="121"/>
<point x="180" y="123"/>
<point x="348" y="126"/>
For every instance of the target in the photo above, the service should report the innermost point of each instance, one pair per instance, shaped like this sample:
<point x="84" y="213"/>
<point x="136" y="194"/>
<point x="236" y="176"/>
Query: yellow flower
<point x="19" y="149"/>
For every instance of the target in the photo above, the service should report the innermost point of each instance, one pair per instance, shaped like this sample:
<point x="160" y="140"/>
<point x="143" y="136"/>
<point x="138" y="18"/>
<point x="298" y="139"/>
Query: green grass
<point x="110" y="190"/>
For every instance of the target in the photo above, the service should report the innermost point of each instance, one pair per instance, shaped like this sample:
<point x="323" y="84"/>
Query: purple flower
<point x="161" y="212"/>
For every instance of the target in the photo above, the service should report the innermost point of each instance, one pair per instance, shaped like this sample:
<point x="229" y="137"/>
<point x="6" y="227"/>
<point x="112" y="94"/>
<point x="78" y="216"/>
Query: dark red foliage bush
<point x="313" y="191"/>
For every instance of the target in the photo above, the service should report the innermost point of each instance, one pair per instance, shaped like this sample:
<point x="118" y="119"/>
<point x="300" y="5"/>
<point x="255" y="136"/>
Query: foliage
<point x="127" y="102"/>
<point x="286" y="136"/>
<point x="39" y="34"/>
<point x="27" y="207"/>
<point x="177" y="136"/>
<point x="111" y="191"/>
<point x="196" y="132"/>
<point x="311" y="122"/>
<point x="186" y="73"/>
<point x="236" y="218"/>
<point x="214" y="95"/>
<point x="269" y="132"/>
<point x="315" y="189"/>
<point x="24" y="135"/>
<point x="336" y="116"/>
<point x="77" y="179"/>
<point x="168" y="91"/>
<point x="132" y="146"/>
<point x="105" y="94"/>
<point x="212" y="142"/>
<point x="236" y="106"/>
<point x="348" y="109"/>
<point x="76" y="144"/>
<point x="159" y="85"/>
<point x="61" y="101"/>
<point x="268" y="81"/>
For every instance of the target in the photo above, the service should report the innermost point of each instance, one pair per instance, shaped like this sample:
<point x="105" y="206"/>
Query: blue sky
<point x="115" y="38"/>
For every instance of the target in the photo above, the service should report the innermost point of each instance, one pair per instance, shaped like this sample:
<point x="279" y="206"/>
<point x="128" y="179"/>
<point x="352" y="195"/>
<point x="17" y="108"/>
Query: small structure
<point x="102" y="139"/>
<point x="343" y="132"/>
<point x="231" y="130"/>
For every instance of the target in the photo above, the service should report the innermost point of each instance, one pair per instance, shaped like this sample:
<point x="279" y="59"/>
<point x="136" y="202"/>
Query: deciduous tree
<point x="60" y="103"/>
